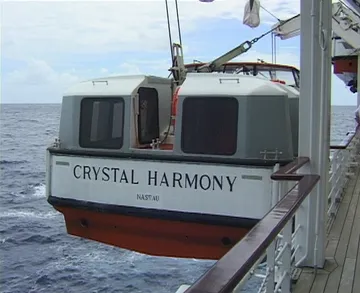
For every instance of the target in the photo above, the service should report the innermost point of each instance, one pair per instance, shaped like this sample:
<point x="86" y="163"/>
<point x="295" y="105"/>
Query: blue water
<point x="36" y="253"/>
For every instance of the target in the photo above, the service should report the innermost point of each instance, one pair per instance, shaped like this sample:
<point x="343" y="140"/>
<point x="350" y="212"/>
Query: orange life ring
<point x="175" y="101"/>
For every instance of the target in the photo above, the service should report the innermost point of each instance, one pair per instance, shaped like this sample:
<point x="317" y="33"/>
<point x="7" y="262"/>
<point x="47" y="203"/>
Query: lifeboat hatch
<point x="148" y="129"/>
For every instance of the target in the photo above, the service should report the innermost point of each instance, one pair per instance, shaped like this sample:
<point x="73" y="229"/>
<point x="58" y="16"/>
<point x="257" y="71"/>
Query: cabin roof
<point x="229" y="84"/>
<point x="195" y="84"/>
<point x="120" y="85"/>
<point x="106" y="86"/>
<point x="291" y="91"/>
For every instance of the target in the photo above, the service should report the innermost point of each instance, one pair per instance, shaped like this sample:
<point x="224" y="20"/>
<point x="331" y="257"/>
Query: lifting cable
<point x="273" y="37"/>
<point x="178" y="21"/>
<point x="172" y="52"/>
<point x="244" y="47"/>
<point x="169" y="30"/>
<point x="169" y="27"/>
<point x="254" y="40"/>
<point x="278" y="19"/>
<point x="274" y="48"/>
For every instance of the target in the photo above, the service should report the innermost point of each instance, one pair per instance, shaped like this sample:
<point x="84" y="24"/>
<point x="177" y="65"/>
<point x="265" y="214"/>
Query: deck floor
<point x="341" y="273"/>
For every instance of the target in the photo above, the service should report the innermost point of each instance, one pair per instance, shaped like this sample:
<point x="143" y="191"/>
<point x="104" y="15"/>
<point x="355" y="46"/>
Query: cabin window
<point x="101" y="123"/>
<point x="148" y="119"/>
<point x="209" y="126"/>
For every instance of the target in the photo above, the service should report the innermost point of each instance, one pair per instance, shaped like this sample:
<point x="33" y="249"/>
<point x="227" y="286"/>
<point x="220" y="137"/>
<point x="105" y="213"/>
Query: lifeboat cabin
<point x="181" y="175"/>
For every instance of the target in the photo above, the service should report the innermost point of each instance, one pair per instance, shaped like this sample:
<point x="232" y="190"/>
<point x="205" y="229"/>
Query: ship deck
<point x="341" y="272"/>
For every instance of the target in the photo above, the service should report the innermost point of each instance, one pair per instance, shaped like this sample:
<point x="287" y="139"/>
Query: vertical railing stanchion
<point x="275" y="188"/>
<point x="285" y="288"/>
<point x="341" y="163"/>
<point x="284" y="261"/>
<point x="333" y="188"/>
<point x="270" y="262"/>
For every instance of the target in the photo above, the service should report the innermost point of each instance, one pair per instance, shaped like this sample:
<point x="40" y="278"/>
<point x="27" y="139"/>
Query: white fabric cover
<point x="252" y="16"/>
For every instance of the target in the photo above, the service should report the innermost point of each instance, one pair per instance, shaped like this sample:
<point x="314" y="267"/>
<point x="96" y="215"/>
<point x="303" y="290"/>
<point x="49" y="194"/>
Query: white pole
<point x="305" y="123"/>
<point x="358" y="82"/>
<point x="324" y="138"/>
<point x="313" y="126"/>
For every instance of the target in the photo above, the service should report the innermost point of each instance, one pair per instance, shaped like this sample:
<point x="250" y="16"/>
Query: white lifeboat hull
<point x="177" y="209"/>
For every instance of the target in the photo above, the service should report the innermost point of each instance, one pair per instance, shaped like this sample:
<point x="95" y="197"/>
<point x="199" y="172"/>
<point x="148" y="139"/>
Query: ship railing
<point x="343" y="159"/>
<point x="275" y="237"/>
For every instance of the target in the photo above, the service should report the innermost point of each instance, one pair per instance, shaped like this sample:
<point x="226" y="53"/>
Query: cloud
<point x="48" y="45"/>
<point x="37" y="82"/>
<point x="38" y="72"/>
<point x="128" y="69"/>
<point x="35" y="28"/>
<point x="124" y="69"/>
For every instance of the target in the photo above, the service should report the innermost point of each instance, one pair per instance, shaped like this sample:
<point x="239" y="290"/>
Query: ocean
<point x="36" y="253"/>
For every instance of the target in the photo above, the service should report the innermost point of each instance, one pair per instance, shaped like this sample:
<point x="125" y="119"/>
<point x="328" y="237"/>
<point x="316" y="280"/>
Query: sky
<point x="47" y="46"/>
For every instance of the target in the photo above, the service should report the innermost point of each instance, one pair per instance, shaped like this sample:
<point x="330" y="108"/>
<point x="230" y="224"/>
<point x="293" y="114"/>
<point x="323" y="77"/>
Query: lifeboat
<point x="121" y="177"/>
<point x="345" y="68"/>
<point x="345" y="63"/>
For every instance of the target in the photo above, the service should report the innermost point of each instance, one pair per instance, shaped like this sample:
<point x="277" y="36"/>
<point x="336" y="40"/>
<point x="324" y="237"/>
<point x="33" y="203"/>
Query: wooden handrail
<point x="233" y="266"/>
<point x="345" y="143"/>
<point x="287" y="172"/>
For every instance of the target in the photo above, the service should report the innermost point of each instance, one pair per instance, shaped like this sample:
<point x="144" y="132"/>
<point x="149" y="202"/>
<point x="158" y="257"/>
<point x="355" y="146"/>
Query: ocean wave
<point x="17" y="235"/>
<point x="3" y="240"/>
<point x="39" y="239"/>
<point x="29" y="120"/>
<point x="32" y="239"/>
<point x="13" y="213"/>
<point x="39" y="190"/>
<point x="44" y="280"/>
<point x="13" y="162"/>
<point x="31" y="191"/>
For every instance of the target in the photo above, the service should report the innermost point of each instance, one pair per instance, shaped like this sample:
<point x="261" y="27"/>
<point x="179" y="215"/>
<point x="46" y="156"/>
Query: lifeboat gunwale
<point x="168" y="156"/>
